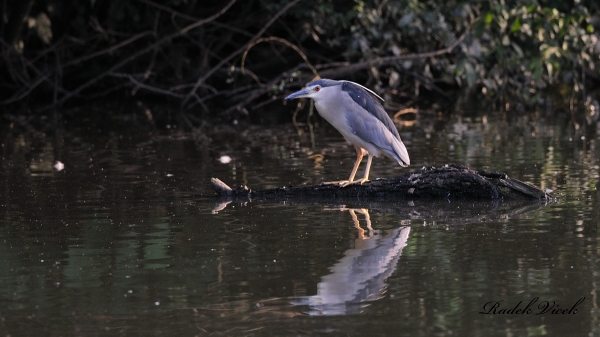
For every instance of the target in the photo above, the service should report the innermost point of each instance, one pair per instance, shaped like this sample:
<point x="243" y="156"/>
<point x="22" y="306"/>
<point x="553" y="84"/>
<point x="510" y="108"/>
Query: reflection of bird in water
<point x="360" y="275"/>
<point x="361" y="232"/>
<point x="357" y="114"/>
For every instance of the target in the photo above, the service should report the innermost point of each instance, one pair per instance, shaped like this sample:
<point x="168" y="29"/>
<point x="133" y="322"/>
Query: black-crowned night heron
<point x="357" y="114"/>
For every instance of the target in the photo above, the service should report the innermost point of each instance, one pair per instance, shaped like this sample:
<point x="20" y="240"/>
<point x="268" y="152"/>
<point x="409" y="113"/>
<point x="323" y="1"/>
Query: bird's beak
<point x="299" y="94"/>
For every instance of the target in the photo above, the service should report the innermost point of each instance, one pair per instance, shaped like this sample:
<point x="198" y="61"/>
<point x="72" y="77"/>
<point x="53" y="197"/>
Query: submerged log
<point x="451" y="182"/>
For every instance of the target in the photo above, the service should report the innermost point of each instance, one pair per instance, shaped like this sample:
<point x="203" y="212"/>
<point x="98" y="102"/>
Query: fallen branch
<point x="450" y="182"/>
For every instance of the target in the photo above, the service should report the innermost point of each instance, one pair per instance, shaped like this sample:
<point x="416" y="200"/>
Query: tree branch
<point x="382" y="61"/>
<point x="202" y="79"/>
<point x="136" y="55"/>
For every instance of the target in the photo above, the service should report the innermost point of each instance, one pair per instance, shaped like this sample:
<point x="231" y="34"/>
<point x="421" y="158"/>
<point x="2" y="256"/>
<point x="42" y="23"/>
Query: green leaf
<point x="589" y="29"/>
<point x="516" y="25"/>
<point x="488" y="18"/>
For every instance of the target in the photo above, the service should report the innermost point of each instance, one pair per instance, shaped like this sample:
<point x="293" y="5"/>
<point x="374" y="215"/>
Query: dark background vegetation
<point x="227" y="60"/>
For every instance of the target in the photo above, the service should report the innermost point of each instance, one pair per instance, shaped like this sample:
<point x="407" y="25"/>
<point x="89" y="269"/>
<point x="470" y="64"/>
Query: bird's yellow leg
<point x="359" y="156"/>
<point x="367" y="169"/>
<point x="365" y="177"/>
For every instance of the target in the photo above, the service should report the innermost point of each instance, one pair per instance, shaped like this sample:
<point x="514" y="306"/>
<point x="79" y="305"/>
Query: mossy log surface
<point x="451" y="182"/>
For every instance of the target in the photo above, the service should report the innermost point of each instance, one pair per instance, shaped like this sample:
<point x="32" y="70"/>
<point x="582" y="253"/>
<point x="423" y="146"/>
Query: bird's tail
<point x="401" y="153"/>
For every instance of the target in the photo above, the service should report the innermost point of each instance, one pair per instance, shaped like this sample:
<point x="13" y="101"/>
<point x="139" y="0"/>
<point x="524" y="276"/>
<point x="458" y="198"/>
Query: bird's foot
<point x="355" y="182"/>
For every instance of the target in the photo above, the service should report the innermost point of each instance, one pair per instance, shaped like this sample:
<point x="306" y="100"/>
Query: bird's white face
<point x="314" y="91"/>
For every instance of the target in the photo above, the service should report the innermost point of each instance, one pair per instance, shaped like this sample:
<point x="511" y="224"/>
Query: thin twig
<point x="405" y="111"/>
<point x="147" y="87"/>
<point x="42" y="77"/>
<point x="189" y="85"/>
<point x="253" y="95"/>
<point x="169" y="10"/>
<point x="285" y="42"/>
<point x="108" y="91"/>
<point x="26" y="92"/>
<point x="109" y="49"/>
<point x="428" y="82"/>
<point x="228" y="93"/>
<point x="246" y="71"/>
<point x="148" y="71"/>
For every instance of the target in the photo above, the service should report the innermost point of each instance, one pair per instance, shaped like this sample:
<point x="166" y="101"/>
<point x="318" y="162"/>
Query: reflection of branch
<point x="132" y="57"/>
<point x="237" y="52"/>
<point x="25" y="125"/>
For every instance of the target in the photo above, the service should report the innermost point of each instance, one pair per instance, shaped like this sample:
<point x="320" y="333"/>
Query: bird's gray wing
<point x="375" y="128"/>
<point x="371" y="130"/>
<point x="369" y="104"/>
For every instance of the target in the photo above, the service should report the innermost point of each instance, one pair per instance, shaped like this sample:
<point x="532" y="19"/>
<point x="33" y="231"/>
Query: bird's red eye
<point x="317" y="89"/>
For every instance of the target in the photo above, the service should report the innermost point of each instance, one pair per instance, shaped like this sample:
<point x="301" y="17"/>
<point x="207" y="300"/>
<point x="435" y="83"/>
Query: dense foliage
<point x="229" y="58"/>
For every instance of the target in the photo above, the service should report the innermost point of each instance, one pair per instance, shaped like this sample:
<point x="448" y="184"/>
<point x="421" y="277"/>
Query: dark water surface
<point x="128" y="238"/>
